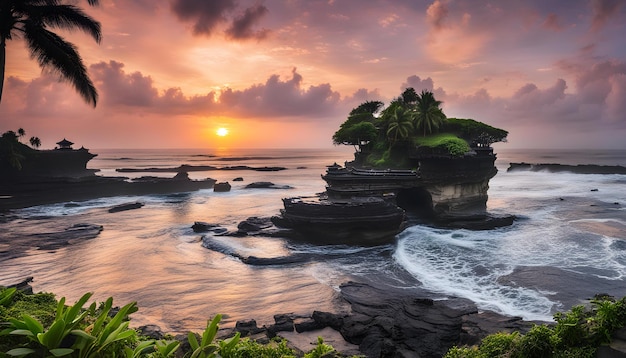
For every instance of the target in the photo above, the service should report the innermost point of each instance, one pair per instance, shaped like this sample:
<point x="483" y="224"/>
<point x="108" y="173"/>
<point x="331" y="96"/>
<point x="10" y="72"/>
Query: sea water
<point x="568" y="243"/>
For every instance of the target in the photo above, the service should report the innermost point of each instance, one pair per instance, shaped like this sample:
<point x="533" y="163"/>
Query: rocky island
<point x="409" y="155"/>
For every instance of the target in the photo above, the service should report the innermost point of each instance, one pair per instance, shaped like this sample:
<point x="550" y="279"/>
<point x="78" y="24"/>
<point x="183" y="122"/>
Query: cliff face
<point x="446" y="189"/>
<point x="458" y="186"/>
<point x="459" y="200"/>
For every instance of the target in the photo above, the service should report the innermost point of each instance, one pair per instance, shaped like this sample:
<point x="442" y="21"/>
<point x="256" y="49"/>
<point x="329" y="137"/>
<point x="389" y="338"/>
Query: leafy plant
<point x="6" y="296"/>
<point x="321" y="350"/>
<point x="104" y="333"/>
<point x="54" y="340"/>
<point x="165" y="348"/>
<point x="206" y="348"/>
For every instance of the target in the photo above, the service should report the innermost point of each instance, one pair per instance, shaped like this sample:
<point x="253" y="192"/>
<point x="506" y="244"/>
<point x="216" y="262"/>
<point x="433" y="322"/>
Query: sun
<point x="222" y="132"/>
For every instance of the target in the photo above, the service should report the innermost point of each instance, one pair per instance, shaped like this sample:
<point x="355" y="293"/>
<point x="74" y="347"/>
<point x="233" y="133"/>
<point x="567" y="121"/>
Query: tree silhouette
<point x="35" y="142"/>
<point x="31" y="19"/>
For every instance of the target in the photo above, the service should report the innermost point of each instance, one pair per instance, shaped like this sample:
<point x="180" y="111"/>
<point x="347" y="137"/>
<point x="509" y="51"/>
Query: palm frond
<point x="67" y="17"/>
<point x="53" y="52"/>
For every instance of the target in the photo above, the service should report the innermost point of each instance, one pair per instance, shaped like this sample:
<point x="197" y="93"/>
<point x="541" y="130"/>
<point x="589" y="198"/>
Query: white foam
<point x="464" y="267"/>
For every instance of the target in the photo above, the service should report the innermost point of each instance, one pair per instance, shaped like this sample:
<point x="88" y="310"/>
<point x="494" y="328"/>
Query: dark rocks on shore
<point x="221" y="187"/>
<point x="482" y="222"/>
<point x="266" y="185"/>
<point x="238" y="179"/>
<point x="197" y="168"/>
<point x="125" y="207"/>
<point x="254" y="224"/>
<point x="23" y="286"/>
<point x="43" y="190"/>
<point x="201" y="226"/>
<point x="391" y="322"/>
<point x="578" y="169"/>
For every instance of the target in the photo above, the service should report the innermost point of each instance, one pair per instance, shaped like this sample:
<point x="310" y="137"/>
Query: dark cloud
<point x="204" y="14"/>
<point x="207" y="15"/>
<point x="276" y="99"/>
<point x="603" y="10"/>
<point x="242" y="26"/>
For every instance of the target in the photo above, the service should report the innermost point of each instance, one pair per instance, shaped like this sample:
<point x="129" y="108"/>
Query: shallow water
<point x="569" y="243"/>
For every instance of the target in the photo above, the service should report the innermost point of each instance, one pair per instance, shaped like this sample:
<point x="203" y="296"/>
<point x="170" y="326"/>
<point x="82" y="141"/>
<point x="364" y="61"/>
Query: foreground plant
<point x="78" y="332"/>
<point x="576" y="334"/>
<point x="64" y="337"/>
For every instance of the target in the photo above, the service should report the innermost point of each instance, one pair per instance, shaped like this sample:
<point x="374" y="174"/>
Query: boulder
<point x="221" y="187"/>
<point x="201" y="226"/>
<point x="125" y="206"/>
<point x="247" y="328"/>
<point x="238" y="179"/>
<point x="254" y="223"/>
<point x="152" y="331"/>
<point x="266" y="185"/>
<point x="282" y="323"/>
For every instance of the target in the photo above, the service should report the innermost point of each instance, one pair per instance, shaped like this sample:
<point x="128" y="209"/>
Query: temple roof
<point x="64" y="143"/>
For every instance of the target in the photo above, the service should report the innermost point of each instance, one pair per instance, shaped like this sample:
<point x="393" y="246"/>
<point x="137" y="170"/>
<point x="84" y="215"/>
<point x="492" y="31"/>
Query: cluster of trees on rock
<point x="405" y="116"/>
<point x="12" y="151"/>
<point x="400" y="126"/>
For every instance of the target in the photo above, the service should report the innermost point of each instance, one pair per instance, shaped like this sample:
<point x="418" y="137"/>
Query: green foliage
<point x="247" y="348"/>
<point x="78" y="332"/>
<point x="321" y="350"/>
<point x="206" y="347"/>
<point x="474" y="131"/>
<point x="539" y="342"/>
<point x="6" y="296"/>
<point x="409" y="119"/>
<point x="498" y="344"/>
<point x="576" y="334"/>
<point x="442" y="143"/>
<point x="41" y="306"/>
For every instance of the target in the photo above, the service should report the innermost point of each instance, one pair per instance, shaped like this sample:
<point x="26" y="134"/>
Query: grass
<point x="447" y="142"/>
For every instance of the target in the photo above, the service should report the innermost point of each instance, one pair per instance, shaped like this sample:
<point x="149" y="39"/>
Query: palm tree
<point x="429" y="116"/>
<point x="20" y="133"/>
<point x="400" y="124"/>
<point x="30" y="19"/>
<point x="35" y="142"/>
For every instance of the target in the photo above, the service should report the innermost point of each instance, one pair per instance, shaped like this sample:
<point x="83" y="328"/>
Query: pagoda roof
<point x="64" y="143"/>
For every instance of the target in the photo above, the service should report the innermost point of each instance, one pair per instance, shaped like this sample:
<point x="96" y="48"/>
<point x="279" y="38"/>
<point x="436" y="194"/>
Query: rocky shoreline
<point x="383" y="322"/>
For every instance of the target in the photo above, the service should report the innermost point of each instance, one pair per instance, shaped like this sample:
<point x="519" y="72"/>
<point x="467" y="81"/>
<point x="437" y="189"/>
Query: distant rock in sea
<point x="577" y="169"/>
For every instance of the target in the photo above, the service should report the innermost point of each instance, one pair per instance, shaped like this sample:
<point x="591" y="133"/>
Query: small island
<point x="411" y="155"/>
<point x="29" y="176"/>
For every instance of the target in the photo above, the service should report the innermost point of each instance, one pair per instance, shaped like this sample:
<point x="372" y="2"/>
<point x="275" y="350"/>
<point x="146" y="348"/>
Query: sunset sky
<point x="285" y="73"/>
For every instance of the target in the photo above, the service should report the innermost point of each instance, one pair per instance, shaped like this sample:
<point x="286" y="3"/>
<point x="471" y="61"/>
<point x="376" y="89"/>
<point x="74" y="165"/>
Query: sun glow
<point x="222" y="132"/>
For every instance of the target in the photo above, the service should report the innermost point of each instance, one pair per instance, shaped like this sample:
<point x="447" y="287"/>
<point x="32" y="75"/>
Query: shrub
<point x="576" y="334"/>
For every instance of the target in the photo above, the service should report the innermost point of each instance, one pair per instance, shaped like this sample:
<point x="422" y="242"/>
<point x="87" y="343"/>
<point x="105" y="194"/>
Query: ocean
<point x="568" y="243"/>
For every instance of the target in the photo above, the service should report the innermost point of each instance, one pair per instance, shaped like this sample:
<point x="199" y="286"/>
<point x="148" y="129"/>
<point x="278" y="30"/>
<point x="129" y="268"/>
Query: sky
<point x="286" y="73"/>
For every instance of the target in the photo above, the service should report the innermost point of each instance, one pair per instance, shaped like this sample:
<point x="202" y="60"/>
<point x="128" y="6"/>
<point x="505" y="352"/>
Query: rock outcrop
<point x="578" y="169"/>
<point x="449" y="191"/>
